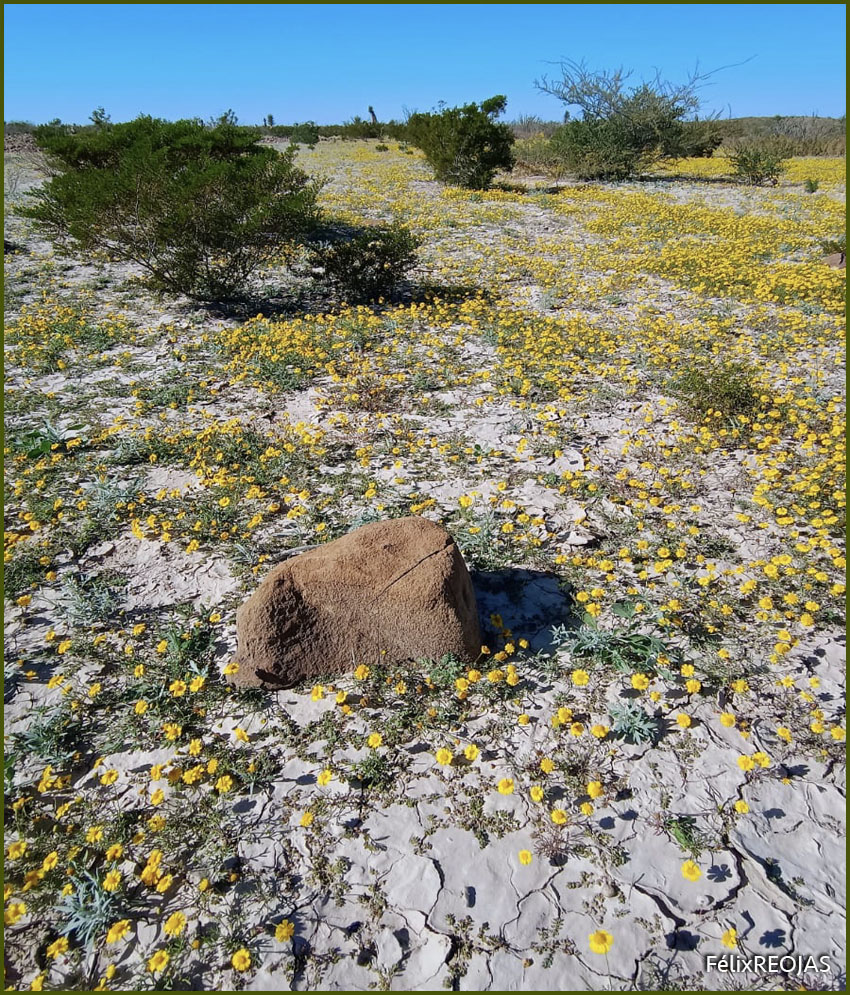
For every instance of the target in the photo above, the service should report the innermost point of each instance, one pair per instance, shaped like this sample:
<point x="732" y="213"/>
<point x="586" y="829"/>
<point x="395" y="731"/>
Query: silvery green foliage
<point x="89" y="910"/>
<point x="631" y="723"/>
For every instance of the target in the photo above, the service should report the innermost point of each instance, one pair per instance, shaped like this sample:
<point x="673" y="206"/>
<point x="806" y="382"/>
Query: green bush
<point x="305" y="134"/>
<point x="725" y="386"/>
<point x="811" y="186"/>
<point x="368" y="265"/>
<point x="465" y="146"/>
<point x="198" y="208"/>
<point x="760" y="160"/>
<point x="596" y="150"/>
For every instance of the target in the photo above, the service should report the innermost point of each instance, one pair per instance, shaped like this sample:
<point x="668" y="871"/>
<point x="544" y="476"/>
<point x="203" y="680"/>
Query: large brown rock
<point x="387" y="592"/>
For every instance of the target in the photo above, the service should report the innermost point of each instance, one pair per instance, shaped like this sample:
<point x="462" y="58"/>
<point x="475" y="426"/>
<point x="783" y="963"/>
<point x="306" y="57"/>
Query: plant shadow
<point x="303" y="298"/>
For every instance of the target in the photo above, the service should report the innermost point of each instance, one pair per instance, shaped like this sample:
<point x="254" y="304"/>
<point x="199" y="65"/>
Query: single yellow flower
<point x="158" y="962"/>
<point x="57" y="947"/>
<point x="174" y="924"/>
<point x="112" y="881"/>
<point x="690" y="871"/>
<point x="118" y="930"/>
<point x="241" y="960"/>
<point x="600" y="942"/>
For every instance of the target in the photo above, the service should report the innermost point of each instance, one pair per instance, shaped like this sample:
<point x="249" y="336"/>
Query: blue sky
<point x="328" y="62"/>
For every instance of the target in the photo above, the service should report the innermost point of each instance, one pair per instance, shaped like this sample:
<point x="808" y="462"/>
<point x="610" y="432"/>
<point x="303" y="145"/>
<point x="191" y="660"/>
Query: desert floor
<point x="626" y="403"/>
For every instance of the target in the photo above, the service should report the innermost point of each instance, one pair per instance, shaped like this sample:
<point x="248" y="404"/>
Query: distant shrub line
<point x="805" y="135"/>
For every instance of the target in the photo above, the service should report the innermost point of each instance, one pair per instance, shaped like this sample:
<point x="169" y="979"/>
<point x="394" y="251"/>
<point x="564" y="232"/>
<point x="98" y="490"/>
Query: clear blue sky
<point x="328" y="62"/>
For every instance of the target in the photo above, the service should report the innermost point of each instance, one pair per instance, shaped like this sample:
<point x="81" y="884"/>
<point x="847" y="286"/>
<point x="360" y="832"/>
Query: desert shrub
<point x="465" y="146"/>
<point x="806" y="135"/>
<point x="305" y="134"/>
<point x="199" y="208"/>
<point x="621" y="130"/>
<point x="368" y="265"/>
<point x="726" y="386"/>
<point x="596" y="150"/>
<point x="811" y="186"/>
<point x="358" y="128"/>
<point x="760" y="160"/>
<point x="537" y="155"/>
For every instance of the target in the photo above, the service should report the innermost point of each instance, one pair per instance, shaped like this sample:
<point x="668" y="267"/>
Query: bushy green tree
<point x="198" y="207"/>
<point x="465" y="146"/>
<point x="622" y="130"/>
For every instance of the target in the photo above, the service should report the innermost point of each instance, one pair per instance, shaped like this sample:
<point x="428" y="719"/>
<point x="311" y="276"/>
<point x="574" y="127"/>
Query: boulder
<point x="835" y="259"/>
<point x="387" y="592"/>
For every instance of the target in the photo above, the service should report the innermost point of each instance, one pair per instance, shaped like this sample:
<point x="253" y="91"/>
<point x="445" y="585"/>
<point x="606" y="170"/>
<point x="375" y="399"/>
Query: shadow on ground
<point x="530" y="603"/>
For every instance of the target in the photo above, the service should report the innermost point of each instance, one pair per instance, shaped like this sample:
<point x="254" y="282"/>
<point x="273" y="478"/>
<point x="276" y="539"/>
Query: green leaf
<point x="623" y="609"/>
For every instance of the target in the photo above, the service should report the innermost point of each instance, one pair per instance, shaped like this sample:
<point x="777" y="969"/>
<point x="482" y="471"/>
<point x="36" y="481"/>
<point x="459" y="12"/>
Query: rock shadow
<point x="530" y="603"/>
